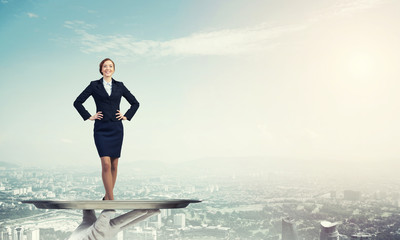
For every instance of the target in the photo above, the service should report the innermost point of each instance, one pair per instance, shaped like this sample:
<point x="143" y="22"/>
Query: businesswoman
<point x="108" y="129"/>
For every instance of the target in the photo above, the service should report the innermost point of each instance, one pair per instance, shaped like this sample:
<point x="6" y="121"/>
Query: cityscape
<point x="242" y="201"/>
<point x="281" y="117"/>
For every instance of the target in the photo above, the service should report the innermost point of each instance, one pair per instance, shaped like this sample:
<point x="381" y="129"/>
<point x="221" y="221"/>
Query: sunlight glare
<point x="361" y="65"/>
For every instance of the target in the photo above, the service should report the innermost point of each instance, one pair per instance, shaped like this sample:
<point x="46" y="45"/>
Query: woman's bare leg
<point x="114" y="169"/>
<point x="107" y="177"/>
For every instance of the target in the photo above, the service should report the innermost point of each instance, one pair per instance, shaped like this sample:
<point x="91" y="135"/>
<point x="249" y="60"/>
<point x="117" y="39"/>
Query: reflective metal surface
<point x="115" y="204"/>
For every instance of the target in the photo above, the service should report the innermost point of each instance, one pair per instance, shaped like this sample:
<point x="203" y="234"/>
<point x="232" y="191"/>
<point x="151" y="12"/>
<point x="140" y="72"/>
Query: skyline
<point x="310" y="80"/>
<point x="245" y="204"/>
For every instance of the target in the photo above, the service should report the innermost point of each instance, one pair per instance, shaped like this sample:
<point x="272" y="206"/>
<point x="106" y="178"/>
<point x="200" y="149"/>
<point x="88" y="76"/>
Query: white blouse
<point x="107" y="86"/>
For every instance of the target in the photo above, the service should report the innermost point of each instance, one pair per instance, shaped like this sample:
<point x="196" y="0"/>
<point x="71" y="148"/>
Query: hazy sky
<point x="305" y="79"/>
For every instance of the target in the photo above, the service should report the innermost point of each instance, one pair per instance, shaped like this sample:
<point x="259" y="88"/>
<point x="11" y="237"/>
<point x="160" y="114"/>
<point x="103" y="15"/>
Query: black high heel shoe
<point x="104" y="198"/>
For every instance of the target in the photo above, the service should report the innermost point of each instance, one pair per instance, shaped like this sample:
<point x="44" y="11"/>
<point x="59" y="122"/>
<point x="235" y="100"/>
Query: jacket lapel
<point x="100" y="87"/>
<point x="113" y="87"/>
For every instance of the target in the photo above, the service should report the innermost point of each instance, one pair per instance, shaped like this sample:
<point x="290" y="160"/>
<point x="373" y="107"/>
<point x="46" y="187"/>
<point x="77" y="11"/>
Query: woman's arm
<point x="78" y="103"/>
<point x="132" y="100"/>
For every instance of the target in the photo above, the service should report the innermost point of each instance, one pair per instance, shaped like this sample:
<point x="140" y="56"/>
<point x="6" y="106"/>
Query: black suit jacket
<point x="108" y="105"/>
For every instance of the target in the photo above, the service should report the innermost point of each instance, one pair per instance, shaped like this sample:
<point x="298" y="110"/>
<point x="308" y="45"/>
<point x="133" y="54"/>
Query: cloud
<point x="78" y="25"/>
<point x="344" y="8"/>
<point x="228" y="41"/>
<point x="218" y="42"/>
<point x="223" y="42"/>
<point x="4" y="1"/>
<point x="32" y="15"/>
<point x="347" y="7"/>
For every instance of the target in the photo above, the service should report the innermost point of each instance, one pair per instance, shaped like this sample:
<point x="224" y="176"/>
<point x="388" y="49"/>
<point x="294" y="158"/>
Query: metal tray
<point x="115" y="204"/>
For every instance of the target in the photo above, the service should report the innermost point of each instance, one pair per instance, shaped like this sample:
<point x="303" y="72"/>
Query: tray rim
<point x="115" y="204"/>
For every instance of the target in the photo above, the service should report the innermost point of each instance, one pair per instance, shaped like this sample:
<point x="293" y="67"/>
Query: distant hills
<point x="255" y="165"/>
<point x="221" y="166"/>
<point x="8" y="165"/>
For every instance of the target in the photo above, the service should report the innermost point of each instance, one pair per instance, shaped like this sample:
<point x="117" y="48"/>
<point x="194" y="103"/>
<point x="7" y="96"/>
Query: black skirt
<point x="108" y="138"/>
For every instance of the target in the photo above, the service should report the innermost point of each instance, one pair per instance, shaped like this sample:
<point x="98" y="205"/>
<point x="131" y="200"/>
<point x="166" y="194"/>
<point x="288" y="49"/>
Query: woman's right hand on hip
<point x="98" y="115"/>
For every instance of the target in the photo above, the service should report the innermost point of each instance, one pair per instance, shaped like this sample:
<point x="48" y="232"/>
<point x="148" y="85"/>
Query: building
<point x="329" y="231"/>
<point x="289" y="231"/>
<point x="205" y="232"/>
<point x="155" y="221"/>
<point x="33" y="234"/>
<point x="165" y="213"/>
<point x="363" y="236"/>
<point x="120" y="235"/>
<point x="352" y="195"/>
<point x="179" y="220"/>
<point x="18" y="233"/>
<point x="140" y="234"/>
<point x="333" y="194"/>
<point x="5" y="233"/>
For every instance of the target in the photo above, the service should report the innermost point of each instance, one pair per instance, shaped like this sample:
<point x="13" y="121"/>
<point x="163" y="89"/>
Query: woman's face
<point x="107" y="69"/>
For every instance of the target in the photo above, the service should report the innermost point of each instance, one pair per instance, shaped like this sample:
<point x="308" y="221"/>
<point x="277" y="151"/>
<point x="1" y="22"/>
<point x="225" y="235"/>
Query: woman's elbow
<point x="76" y="103"/>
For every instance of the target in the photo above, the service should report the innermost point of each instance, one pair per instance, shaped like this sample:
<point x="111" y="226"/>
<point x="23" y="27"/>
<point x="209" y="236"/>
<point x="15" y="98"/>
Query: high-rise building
<point x="329" y="231"/>
<point x="179" y="220"/>
<point x="289" y="231"/>
<point x="155" y="221"/>
<point x="140" y="234"/>
<point x="18" y="233"/>
<point x="363" y="236"/>
<point x="333" y="194"/>
<point x="9" y="233"/>
<point x="352" y="195"/>
<point x="3" y="233"/>
<point x="33" y="234"/>
<point x="120" y="235"/>
<point x="165" y="213"/>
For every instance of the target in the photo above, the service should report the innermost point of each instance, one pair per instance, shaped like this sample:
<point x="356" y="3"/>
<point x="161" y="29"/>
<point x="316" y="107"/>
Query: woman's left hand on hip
<point x="120" y="116"/>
